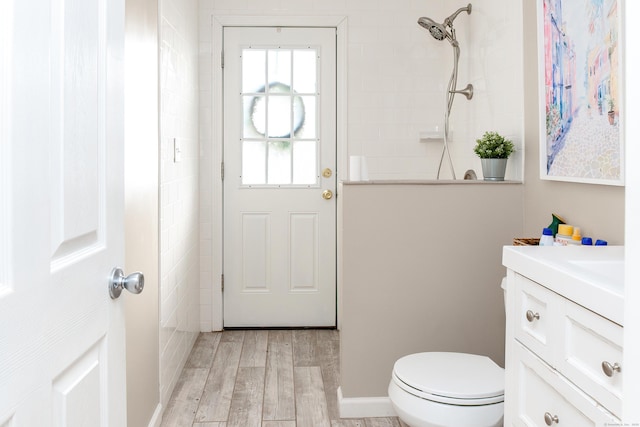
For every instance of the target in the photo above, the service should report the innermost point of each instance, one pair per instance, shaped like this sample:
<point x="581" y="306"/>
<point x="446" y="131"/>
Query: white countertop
<point x="592" y="276"/>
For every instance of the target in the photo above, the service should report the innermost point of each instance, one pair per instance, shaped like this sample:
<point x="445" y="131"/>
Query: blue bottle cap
<point x="547" y="231"/>
<point x="601" y="242"/>
<point x="587" y="241"/>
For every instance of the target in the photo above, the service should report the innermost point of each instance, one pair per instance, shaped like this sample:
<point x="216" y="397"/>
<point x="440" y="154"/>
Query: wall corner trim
<point x="364" y="407"/>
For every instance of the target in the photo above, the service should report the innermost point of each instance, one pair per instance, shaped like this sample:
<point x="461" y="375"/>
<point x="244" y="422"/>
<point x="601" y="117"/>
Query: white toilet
<point x="441" y="389"/>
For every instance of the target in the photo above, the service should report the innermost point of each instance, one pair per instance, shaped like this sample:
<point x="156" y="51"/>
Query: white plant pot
<point x="493" y="169"/>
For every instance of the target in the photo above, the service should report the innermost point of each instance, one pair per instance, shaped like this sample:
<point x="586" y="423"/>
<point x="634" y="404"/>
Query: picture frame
<point x="581" y="91"/>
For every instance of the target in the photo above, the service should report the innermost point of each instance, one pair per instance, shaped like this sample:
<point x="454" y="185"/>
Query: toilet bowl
<point x="443" y="389"/>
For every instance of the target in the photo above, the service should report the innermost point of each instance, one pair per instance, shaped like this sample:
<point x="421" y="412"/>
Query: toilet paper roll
<point x="354" y="168"/>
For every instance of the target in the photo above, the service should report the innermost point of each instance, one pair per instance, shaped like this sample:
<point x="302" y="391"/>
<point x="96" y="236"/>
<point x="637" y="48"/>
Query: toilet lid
<point x="452" y="375"/>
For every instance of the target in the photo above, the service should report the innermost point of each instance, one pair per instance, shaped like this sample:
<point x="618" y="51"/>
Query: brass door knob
<point x="327" y="194"/>
<point x="326" y="172"/>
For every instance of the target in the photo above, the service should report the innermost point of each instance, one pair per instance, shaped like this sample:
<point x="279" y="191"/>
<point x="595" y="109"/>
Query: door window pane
<point x="280" y="66"/>
<point x="307" y="128"/>
<point x="305" y="168"/>
<point x="279" y="116"/>
<point x="279" y="165"/>
<point x="253" y="70"/>
<point x="253" y="162"/>
<point x="254" y="116"/>
<point x="304" y="71"/>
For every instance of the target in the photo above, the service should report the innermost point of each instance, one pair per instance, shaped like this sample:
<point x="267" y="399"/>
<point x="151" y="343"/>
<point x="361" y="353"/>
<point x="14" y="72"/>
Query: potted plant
<point x="493" y="150"/>
<point x="611" y="113"/>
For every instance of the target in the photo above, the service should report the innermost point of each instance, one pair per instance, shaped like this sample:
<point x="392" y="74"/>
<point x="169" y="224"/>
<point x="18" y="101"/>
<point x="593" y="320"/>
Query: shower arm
<point x="448" y="22"/>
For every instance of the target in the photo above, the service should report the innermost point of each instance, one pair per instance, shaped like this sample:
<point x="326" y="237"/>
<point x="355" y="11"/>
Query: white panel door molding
<point x="280" y="177"/>
<point x="61" y="215"/>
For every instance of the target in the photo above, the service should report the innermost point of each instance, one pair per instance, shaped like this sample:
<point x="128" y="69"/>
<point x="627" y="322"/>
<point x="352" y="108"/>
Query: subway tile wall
<point x="179" y="189"/>
<point x="396" y="79"/>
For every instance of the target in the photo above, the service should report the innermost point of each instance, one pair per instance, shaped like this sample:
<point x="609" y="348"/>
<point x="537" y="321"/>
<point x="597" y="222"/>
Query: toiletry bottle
<point x="576" y="237"/>
<point x="587" y="241"/>
<point x="564" y="235"/>
<point x="547" y="237"/>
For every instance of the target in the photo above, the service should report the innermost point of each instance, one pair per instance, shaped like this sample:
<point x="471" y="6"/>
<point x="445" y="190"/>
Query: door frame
<point x="218" y="22"/>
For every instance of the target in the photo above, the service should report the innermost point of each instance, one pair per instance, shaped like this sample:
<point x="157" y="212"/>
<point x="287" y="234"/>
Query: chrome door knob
<point x="134" y="282"/>
<point x="550" y="419"/>
<point x="531" y="316"/>
<point x="610" y="369"/>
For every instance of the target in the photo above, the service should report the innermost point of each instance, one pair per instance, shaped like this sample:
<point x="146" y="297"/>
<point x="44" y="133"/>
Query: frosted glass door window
<point x="279" y="117"/>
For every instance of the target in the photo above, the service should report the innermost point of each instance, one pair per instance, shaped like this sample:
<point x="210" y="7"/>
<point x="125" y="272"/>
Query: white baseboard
<point x="364" y="407"/>
<point x="156" y="419"/>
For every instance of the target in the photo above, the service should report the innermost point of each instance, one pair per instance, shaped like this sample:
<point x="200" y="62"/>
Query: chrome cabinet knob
<point x="134" y="282"/>
<point x="531" y="316"/>
<point x="550" y="419"/>
<point x="610" y="369"/>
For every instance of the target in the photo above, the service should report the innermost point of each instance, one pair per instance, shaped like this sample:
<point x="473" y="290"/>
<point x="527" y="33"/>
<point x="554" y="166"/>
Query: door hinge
<point x="222" y="282"/>
<point x="222" y="171"/>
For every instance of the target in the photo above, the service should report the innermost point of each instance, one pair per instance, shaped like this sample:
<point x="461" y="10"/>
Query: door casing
<point x="218" y="23"/>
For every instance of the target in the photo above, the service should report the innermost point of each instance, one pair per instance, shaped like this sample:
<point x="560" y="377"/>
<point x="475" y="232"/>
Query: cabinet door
<point x="537" y="318"/>
<point x="542" y="392"/>
<point x="589" y="342"/>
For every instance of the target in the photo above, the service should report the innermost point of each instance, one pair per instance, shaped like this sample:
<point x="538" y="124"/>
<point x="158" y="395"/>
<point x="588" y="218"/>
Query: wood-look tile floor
<point x="262" y="378"/>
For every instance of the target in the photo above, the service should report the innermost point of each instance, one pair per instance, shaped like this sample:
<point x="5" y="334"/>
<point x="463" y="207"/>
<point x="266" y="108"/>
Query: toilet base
<point x="417" y="412"/>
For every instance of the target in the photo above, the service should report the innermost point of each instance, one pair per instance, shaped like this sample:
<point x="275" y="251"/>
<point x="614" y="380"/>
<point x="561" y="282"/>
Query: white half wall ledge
<point x="364" y="407"/>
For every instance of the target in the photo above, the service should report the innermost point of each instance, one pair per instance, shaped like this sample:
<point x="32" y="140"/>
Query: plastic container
<point x="547" y="237"/>
<point x="587" y="241"/>
<point x="565" y="240"/>
<point x="601" y="242"/>
<point x="565" y="230"/>
<point x="576" y="236"/>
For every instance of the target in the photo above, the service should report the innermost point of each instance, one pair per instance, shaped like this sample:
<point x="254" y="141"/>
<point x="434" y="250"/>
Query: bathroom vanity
<point x="564" y="308"/>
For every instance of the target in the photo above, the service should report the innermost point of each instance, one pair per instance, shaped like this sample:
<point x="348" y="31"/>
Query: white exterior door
<point x="61" y="213"/>
<point x="279" y="177"/>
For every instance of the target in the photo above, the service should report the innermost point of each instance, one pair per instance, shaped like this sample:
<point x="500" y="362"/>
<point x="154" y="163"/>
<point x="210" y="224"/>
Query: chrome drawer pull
<point x="531" y="316"/>
<point x="610" y="369"/>
<point x="550" y="419"/>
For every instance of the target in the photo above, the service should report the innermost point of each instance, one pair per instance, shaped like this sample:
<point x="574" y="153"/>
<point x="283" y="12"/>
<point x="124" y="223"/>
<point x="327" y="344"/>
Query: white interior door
<point x="279" y="177"/>
<point x="61" y="213"/>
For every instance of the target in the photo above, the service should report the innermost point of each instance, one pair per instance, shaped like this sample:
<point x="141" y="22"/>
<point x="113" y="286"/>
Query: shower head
<point x="438" y="31"/>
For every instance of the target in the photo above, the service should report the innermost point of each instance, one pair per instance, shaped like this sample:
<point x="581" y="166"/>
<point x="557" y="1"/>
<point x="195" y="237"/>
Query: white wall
<point x="396" y="78"/>
<point x="179" y="189"/>
<point x="142" y="209"/>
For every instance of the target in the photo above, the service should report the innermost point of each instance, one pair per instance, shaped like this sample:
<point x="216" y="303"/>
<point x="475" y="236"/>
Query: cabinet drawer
<point x="541" y="391"/>
<point x="590" y="341"/>
<point x="536" y="317"/>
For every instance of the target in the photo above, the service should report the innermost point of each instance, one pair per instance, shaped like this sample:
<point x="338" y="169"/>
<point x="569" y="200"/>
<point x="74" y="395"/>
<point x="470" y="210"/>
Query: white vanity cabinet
<point x="563" y="346"/>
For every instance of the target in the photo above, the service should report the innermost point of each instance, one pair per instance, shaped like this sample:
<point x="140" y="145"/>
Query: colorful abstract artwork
<point x="581" y="91"/>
